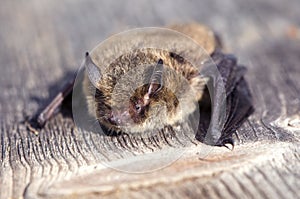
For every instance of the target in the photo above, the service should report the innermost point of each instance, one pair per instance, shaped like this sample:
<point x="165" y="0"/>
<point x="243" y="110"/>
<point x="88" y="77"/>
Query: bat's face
<point x="146" y="112"/>
<point x="147" y="95"/>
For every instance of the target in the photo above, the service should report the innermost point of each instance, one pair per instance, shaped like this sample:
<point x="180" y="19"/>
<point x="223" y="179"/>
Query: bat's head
<point x="157" y="91"/>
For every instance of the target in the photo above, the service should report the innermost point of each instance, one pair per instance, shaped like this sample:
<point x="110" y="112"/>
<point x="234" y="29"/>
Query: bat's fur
<point x="126" y="80"/>
<point x="182" y="89"/>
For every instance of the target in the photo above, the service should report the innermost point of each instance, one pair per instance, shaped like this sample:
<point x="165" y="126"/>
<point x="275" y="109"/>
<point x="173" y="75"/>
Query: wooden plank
<point x="42" y="41"/>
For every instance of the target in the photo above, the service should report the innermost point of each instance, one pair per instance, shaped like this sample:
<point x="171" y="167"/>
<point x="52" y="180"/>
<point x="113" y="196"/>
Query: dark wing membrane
<point x="239" y="108"/>
<point x="64" y="94"/>
<point x="238" y="102"/>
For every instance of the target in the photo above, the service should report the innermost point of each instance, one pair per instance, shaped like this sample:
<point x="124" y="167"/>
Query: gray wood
<point x="40" y="42"/>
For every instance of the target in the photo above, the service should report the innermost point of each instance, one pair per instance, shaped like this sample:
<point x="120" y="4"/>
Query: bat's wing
<point x="238" y="104"/>
<point x="54" y="106"/>
<point x="66" y="91"/>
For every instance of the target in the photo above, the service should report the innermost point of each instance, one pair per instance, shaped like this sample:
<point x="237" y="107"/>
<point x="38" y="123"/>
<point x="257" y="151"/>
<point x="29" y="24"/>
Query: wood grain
<point x="42" y="42"/>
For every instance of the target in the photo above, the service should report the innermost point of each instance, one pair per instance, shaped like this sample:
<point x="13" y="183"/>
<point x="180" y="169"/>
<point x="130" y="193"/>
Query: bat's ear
<point x="156" y="81"/>
<point x="93" y="70"/>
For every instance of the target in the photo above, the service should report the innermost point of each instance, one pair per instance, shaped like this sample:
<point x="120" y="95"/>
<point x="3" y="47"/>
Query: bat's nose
<point x="120" y="118"/>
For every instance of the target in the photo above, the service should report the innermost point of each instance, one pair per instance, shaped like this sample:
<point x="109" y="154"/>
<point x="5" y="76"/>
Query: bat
<point x="165" y="84"/>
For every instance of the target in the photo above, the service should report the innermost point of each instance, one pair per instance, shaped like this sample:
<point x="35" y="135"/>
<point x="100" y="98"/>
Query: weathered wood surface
<point x="40" y="42"/>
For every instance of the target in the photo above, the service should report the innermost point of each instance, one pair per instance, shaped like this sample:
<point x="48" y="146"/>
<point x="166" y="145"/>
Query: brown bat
<point x="168" y="89"/>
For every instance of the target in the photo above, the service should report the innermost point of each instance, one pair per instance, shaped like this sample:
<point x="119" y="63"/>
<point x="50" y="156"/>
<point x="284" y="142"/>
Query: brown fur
<point x="126" y="80"/>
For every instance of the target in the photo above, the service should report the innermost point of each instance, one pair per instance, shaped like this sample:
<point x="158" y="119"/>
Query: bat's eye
<point x="138" y="108"/>
<point x="137" y="111"/>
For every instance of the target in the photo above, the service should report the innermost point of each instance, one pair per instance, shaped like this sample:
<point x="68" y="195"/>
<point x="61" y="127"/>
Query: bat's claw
<point x="226" y="142"/>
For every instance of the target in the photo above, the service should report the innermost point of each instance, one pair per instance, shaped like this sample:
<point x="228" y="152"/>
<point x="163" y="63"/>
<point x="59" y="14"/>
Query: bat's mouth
<point x="134" y="113"/>
<point x="119" y="118"/>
